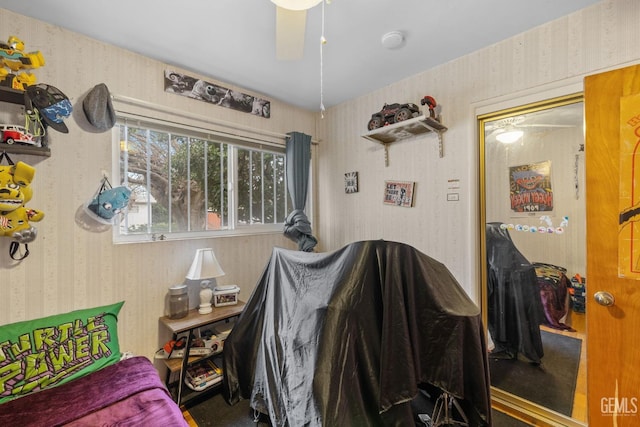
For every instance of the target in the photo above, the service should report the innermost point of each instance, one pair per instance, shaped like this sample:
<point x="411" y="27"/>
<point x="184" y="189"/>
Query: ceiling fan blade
<point x="290" y="32"/>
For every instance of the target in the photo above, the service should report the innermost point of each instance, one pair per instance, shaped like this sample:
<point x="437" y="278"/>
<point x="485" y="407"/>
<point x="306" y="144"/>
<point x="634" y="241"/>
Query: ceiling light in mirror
<point x="509" y="137"/>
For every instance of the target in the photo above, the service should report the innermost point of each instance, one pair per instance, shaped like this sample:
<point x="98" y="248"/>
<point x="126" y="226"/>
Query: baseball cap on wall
<point x="53" y="105"/>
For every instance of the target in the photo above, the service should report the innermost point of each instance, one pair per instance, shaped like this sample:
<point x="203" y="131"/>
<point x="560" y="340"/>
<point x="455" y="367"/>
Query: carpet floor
<point x="216" y="412"/>
<point x="552" y="383"/>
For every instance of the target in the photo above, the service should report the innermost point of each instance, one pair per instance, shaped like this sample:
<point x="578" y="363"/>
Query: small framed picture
<point x="225" y="295"/>
<point x="351" y="182"/>
<point x="399" y="193"/>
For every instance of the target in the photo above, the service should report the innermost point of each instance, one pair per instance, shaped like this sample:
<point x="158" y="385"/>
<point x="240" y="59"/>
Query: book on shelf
<point x="202" y="375"/>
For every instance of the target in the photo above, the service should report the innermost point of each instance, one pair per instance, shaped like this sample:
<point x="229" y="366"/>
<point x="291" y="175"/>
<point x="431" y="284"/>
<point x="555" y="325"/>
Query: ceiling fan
<point x="291" y="19"/>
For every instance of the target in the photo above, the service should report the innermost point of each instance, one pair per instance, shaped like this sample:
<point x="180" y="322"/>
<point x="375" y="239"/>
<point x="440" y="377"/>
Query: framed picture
<point x="530" y="188"/>
<point x="351" y="182"/>
<point x="399" y="193"/>
<point x="202" y="90"/>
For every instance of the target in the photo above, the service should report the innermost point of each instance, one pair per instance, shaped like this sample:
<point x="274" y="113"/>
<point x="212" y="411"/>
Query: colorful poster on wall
<point x="629" y="196"/>
<point x="192" y="87"/>
<point x="530" y="188"/>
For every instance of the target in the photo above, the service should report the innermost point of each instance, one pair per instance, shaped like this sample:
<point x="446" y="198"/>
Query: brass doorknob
<point x="604" y="298"/>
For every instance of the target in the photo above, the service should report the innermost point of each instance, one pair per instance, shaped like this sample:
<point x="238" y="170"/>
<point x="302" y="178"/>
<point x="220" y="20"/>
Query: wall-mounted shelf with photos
<point x="14" y="96"/>
<point x="406" y="129"/>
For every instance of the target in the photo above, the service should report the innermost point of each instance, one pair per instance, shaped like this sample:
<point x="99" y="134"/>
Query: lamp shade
<point x="204" y="265"/>
<point x="296" y="4"/>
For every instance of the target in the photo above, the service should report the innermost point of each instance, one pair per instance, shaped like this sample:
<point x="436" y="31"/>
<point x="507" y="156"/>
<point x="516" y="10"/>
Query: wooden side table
<point x="188" y="324"/>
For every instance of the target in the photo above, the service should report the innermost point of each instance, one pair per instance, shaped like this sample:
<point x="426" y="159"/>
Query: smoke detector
<point x="393" y="39"/>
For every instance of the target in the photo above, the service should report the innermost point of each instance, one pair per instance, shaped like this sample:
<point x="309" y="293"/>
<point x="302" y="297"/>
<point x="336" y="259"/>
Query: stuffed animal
<point x="15" y="192"/>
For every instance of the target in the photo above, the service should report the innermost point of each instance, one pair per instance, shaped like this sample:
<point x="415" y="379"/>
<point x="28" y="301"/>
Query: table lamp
<point x="205" y="266"/>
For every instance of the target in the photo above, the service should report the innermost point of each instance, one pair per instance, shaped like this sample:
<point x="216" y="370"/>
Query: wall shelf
<point x="17" y="148"/>
<point x="14" y="96"/>
<point x="406" y="129"/>
<point x="11" y="95"/>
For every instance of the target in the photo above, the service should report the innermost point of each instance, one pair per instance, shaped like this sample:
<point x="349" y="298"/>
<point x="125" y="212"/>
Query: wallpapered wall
<point x="552" y="58"/>
<point x="71" y="268"/>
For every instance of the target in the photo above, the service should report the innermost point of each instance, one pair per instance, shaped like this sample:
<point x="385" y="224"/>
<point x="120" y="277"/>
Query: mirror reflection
<point x="534" y="214"/>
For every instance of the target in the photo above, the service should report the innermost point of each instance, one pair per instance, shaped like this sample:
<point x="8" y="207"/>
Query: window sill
<point x="213" y="234"/>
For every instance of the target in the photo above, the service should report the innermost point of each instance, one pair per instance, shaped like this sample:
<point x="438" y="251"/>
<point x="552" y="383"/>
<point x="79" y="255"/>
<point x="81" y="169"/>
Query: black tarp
<point x="513" y="298"/>
<point x="346" y="338"/>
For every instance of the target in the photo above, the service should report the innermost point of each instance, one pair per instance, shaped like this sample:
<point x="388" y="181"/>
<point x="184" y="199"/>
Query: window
<point x="188" y="184"/>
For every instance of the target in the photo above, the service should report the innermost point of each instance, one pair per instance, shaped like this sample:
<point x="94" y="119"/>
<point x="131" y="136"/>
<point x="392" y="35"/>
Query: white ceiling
<point x="233" y="40"/>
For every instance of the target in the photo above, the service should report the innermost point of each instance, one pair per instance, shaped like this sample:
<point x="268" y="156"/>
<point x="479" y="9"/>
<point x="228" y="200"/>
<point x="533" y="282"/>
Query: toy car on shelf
<point x="393" y="113"/>
<point x="16" y="133"/>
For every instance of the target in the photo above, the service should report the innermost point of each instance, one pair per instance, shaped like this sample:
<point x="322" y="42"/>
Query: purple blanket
<point x="128" y="393"/>
<point x="553" y="284"/>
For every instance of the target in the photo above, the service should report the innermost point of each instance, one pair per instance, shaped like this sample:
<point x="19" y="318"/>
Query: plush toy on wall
<point x="15" y="192"/>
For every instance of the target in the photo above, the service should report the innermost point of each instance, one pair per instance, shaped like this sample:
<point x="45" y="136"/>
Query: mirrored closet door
<point x="532" y="184"/>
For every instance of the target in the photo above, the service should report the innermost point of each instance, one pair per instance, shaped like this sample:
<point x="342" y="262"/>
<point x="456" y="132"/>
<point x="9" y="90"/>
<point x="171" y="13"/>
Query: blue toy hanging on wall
<point x="108" y="202"/>
<point x="15" y="217"/>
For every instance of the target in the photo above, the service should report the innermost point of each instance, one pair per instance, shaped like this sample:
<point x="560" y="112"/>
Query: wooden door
<point x="613" y="344"/>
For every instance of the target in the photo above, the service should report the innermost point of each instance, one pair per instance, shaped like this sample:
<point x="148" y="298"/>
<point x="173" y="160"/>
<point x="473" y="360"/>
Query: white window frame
<point x="234" y="229"/>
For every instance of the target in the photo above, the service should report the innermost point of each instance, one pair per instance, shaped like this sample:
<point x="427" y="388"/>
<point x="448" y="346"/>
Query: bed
<point x="351" y="336"/>
<point x="67" y="370"/>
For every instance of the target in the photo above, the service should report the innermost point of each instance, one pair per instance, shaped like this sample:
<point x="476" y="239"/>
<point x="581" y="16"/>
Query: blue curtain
<point x="297" y="226"/>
